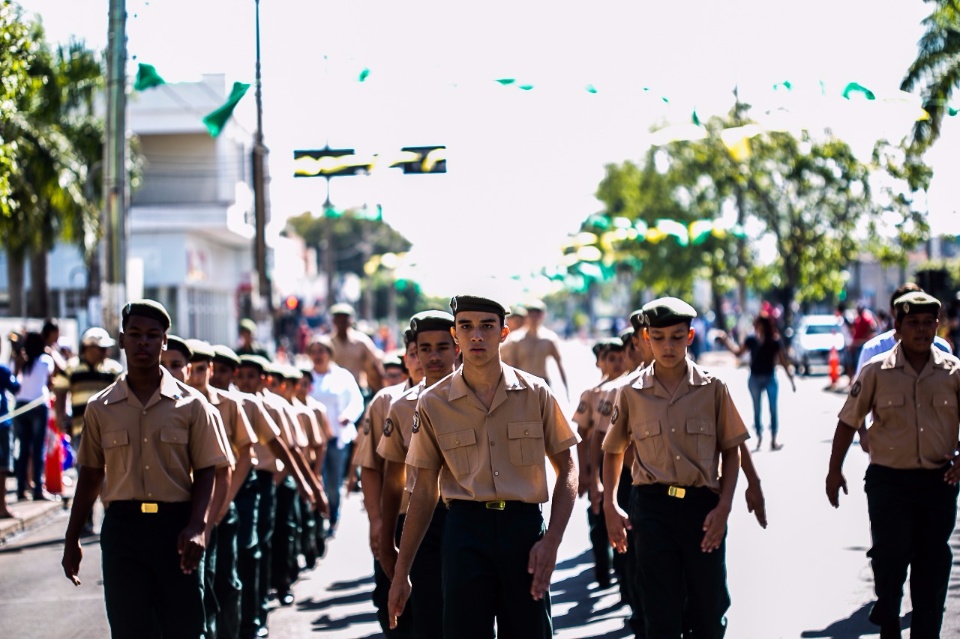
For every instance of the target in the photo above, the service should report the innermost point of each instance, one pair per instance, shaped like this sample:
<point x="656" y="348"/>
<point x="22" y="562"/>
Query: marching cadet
<point x="437" y="353"/>
<point x="224" y="527"/>
<point x="682" y="423"/>
<point x="530" y="347"/>
<point x="151" y="446"/>
<point x="911" y="482"/>
<point x="372" y="478"/>
<point x="175" y="357"/>
<point x="483" y="434"/>
<point x="313" y="537"/>
<point x="355" y="351"/>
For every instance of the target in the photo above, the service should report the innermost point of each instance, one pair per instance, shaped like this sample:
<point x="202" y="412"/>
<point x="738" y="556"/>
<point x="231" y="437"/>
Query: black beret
<point x="668" y="311"/>
<point x="626" y="335"/>
<point x="916" y="302"/>
<point x="175" y="343"/>
<point x="341" y="309"/>
<point x="200" y="351"/>
<point x="409" y="337"/>
<point x="597" y="348"/>
<point x="613" y="344"/>
<point x="535" y="305"/>
<point x="392" y="360"/>
<point x="431" y="321"/>
<point x="462" y="303"/>
<point x="638" y="320"/>
<point x="225" y="355"/>
<point x="254" y="361"/>
<point x="247" y="324"/>
<point x="306" y="372"/>
<point x="273" y="369"/>
<point x="146" y="308"/>
<point x="290" y="373"/>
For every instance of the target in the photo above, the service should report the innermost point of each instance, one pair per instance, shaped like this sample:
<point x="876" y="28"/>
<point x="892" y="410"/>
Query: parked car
<point x="816" y="335"/>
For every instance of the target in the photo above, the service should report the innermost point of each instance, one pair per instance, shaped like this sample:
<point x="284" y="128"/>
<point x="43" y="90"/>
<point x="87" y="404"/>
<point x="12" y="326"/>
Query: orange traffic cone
<point x="834" y="365"/>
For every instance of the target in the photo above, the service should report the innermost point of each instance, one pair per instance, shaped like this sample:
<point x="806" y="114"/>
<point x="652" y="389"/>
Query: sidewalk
<point x="32" y="513"/>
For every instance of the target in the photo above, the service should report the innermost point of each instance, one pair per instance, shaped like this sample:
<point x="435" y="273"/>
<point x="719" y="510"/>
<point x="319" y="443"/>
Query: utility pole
<point x="113" y="287"/>
<point x="264" y="303"/>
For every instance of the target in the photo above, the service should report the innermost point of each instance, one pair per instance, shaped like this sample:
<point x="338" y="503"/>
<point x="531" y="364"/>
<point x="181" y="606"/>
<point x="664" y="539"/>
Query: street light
<point x="259" y="189"/>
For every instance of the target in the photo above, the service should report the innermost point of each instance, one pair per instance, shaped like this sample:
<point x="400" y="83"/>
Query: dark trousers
<point x="912" y="516"/>
<point x="266" y="514"/>
<point x="286" y="529"/>
<point x="211" y="607"/>
<point x="248" y="555"/>
<point x="600" y="543"/>
<point x="30" y="430"/>
<point x="484" y="564"/>
<point x="381" y="594"/>
<point x="146" y="593"/>
<point x="672" y="568"/>
<point x="625" y="564"/>
<point x="427" y="581"/>
<point x="227" y="586"/>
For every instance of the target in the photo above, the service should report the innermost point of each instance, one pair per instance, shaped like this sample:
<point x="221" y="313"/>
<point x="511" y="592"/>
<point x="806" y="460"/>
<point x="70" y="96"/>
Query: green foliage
<point x="17" y="50"/>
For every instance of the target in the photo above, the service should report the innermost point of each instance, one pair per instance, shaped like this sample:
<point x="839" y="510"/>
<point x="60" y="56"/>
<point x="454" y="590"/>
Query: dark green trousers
<point x="381" y="594"/>
<point x="672" y="569"/>
<point x="484" y="565"/>
<point x="211" y="606"/>
<point x="912" y="516"/>
<point x="625" y="564"/>
<point x="226" y="585"/>
<point x="266" y="514"/>
<point x="286" y="530"/>
<point x="427" y="581"/>
<point x="307" y="541"/>
<point x="248" y="555"/>
<point x="146" y="593"/>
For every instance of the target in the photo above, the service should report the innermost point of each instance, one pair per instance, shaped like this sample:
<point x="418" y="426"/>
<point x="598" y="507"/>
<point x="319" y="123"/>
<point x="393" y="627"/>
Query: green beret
<point x="597" y="348"/>
<point x="626" y="335"/>
<point x="613" y="344"/>
<point x="341" y="309"/>
<point x="247" y="324"/>
<point x="145" y="308"/>
<point x="306" y="372"/>
<point x="225" y="355"/>
<point x="409" y="337"/>
<point x="394" y="361"/>
<point x="916" y="302"/>
<point x="273" y="369"/>
<point x="200" y="351"/>
<point x="667" y="311"/>
<point x="175" y="343"/>
<point x="431" y="321"/>
<point x="254" y="361"/>
<point x="291" y="373"/>
<point x="465" y="303"/>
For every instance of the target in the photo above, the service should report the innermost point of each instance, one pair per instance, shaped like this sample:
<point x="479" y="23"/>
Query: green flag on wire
<point x="364" y="75"/>
<point x="853" y="87"/>
<point x="216" y="120"/>
<point x="506" y="81"/>
<point x="147" y="78"/>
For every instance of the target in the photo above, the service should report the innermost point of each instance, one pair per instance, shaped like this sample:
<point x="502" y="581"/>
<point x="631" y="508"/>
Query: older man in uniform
<point x="911" y="483"/>
<point x="483" y="434"/>
<point x="152" y="445"/>
<point x="437" y="353"/>
<point x="530" y="347"/>
<point x="683" y="425"/>
<point x="355" y="351"/>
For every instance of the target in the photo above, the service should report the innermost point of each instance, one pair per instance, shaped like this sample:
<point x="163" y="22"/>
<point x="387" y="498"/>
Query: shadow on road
<point x="590" y="605"/>
<point x="853" y="627"/>
<point x="325" y="624"/>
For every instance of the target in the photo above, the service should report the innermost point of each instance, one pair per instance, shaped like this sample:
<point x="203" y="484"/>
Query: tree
<point x="936" y="70"/>
<point x="16" y="56"/>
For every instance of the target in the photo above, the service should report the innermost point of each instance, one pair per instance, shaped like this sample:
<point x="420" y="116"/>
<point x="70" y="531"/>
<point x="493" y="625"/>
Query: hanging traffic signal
<point x="424" y="159"/>
<point x="291" y="303"/>
<point x="327" y="162"/>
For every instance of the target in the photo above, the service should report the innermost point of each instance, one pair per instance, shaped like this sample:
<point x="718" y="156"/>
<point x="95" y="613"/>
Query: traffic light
<point x="327" y="162"/>
<point x="424" y="159"/>
<point x="291" y="303"/>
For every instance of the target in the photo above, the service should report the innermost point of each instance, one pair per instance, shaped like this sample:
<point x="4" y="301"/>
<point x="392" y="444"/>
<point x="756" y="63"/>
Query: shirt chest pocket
<point x="702" y="433"/>
<point x="889" y="401"/>
<point x="945" y="404"/>
<point x="460" y="451"/>
<point x="116" y="449"/>
<point x="647" y="439"/>
<point x="525" y="444"/>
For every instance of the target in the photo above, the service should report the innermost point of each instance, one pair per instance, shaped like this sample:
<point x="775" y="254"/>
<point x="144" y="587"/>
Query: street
<point x="806" y="575"/>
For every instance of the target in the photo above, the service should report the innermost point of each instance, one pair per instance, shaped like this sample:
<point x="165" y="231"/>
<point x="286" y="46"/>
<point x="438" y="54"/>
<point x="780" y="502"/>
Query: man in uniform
<point x="437" y="353"/>
<point x="483" y="434"/>
<point x="355" y="351"/>
<point x="682" y="423"/>
<point x="911" y="482"/>
<point x="176" y="357"/>
<point x="516" y="319"/>
<point x="151" y="445"/>
<point x="247" y="332"/>
<point x="530" y="347"/>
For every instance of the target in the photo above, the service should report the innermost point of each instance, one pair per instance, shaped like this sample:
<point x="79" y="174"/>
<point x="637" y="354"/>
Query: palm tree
<point x="936" y="71"/>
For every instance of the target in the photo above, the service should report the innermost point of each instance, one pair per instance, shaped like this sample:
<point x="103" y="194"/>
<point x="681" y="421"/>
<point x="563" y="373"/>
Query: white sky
<point x="523" y="166"/>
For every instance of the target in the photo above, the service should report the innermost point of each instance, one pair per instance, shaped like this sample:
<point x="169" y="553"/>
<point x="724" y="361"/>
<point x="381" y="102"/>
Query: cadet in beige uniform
<point x="151" y="446"/>
<point x="485" y="432"/>
<point x="355" y="351"/>
<point x="437" y="353"/>
<point x="681" y="422"/>
<point x="911" y="482"/>
<point x="530" y="347"/>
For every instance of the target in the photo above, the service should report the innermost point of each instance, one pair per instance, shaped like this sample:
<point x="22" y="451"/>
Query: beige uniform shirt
<point x="395" y="446"/>
<point x="608" y="398"/>
<point x="495" y="454"/>
<point x="586" y="413"/>
<point x="916" y="419"/>
<point x="149" y="451"/>
<point x="529" y="352"/>
<point x="266" y="430"/>
<point x="375" y="426"/>
<point x="319" y="412"/>
<point x="235" y="423"/>
<point x="355" y="352"/>
<point x="677" y="440"/>
<point x="279" y="410"/>
<point x="309" y="423"/>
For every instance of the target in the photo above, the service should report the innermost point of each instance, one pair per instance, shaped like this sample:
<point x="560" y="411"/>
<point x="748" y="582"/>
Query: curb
<point x="31" y="517"/>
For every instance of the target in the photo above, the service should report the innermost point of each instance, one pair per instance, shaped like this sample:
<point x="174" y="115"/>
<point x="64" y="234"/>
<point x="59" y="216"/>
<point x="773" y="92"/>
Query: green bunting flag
<point x="147" y="78"/>
<point x="364" y="75"/>
<point x="591" y="89"/>
<point x="786" y="85"/>
<point x="506" y="81"/>
<point x="853" y="88"/>
<point x="695" y="118"/>
<point x="951" y="111"/>
<point x="216" y="120"/>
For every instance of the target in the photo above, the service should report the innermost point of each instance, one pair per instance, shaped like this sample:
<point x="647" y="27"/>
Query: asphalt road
<point x="806" y="575"/>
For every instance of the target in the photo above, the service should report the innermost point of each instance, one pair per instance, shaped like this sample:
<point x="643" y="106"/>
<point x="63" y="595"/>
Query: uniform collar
<point x="509" y="381"/>
<point x="695" y="376"/>
<point x="212" y="395"/>
<point x="896" y="359"/>
<point x="169" y="388"/>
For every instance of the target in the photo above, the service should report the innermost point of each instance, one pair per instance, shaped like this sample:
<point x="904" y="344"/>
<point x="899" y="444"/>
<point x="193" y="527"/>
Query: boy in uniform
<point x="911" y="482"/>
<point x="683" y="425"/>
<point x="150" y="447"/>
<point x="484" y="434"/>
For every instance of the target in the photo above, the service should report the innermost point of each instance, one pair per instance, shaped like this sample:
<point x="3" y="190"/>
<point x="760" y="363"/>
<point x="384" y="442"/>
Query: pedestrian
<point x="149" y="449"/>
<point x="766" y="352"/>
<point x="437" y="354"/>
<point x="8" y="384"/>
<point x="85" y="376"/>
<point x="33" y="367"/>
<point x="530" y="347"/>
<point x="911" y="482"/>
<point x="684" y="428"/>
<point x="483" y="436"/>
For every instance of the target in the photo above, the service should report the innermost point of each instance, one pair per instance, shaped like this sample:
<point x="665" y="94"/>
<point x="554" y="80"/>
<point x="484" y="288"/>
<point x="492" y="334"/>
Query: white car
<point x="816" y="336"/>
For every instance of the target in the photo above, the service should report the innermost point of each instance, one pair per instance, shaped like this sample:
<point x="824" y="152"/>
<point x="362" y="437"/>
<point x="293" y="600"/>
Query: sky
<point x="523" y="166"/>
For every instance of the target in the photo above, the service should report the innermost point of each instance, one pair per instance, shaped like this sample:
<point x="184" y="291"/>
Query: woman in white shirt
<point x="33" y="368"/>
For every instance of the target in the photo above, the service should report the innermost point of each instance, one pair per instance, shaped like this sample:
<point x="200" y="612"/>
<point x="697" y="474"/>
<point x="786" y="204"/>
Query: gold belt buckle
<point x="149" y="508"/>
<point x="496" y="505"/>
<point x="677" y="491"/>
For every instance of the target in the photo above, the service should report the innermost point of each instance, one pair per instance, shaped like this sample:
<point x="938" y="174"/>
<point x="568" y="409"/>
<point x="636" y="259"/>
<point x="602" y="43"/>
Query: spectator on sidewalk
<point x="8" y="383"/>
<point x="34" y="368"/>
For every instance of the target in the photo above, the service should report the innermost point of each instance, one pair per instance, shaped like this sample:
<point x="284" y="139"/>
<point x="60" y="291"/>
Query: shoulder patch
<point x="387" y="427"/>
<point x="416" y="421"/>
<point x="616" y="414"/>
<point x="581" y="407"/>
<point x="855" y="391"/>
<point x="605" y="407"/>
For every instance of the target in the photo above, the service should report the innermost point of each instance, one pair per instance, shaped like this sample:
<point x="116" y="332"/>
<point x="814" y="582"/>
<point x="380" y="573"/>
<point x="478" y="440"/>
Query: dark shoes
<point x="285" y="598"/>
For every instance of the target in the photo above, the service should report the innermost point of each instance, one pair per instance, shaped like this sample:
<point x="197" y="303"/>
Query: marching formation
<point x="221" y="472"/>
